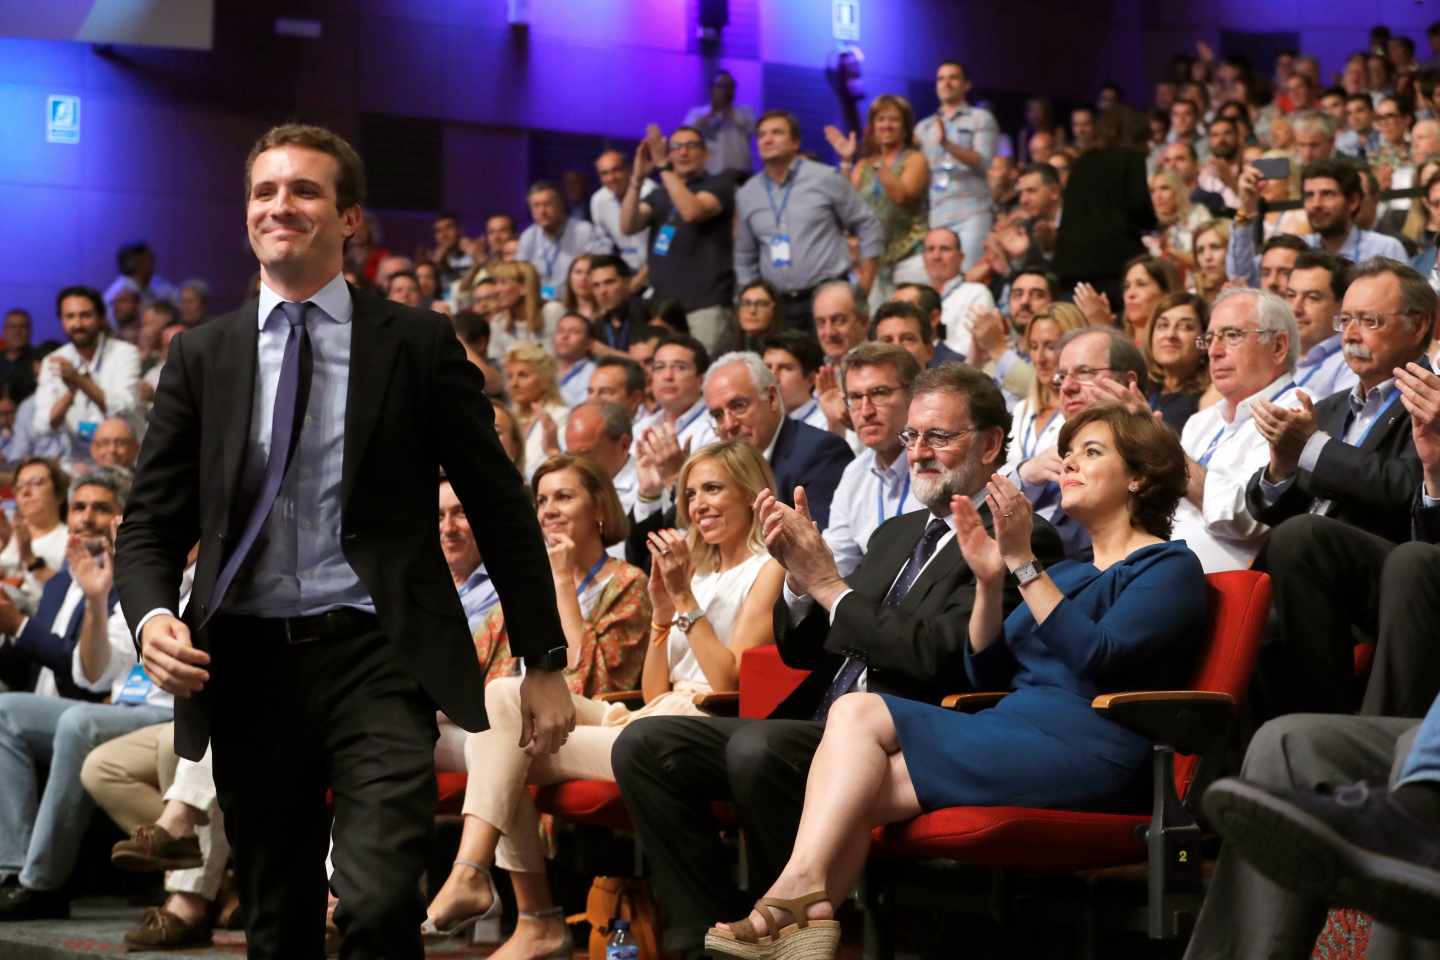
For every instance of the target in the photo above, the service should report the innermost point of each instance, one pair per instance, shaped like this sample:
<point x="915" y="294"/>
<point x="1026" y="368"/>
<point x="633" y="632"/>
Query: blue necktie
<point x="853" y="667"/>
<point x="291" y="395"/>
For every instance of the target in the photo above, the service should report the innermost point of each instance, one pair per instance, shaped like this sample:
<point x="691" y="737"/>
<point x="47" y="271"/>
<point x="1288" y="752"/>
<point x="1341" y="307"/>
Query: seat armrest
<point x="1191" y="721"/>
<point x="720" y="704"/>
<point x="973" y="702"/>
<point x="630" y="698"/>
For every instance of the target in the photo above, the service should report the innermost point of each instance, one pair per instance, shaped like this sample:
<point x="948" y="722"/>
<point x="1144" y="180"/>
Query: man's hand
<point x="547" y="712"/>
<point x="1127" y="396"/>
<point x="642" y="166"/>
<point x="1286" y="431"/>
<point x="661" y="444"/>
<point x="1044" y="467"/>
<point x="794" y="541"/>
<point x="655" y="143"/>
<point x="843" y="145"/>
<point x="170" y="659"/>
<point x="1249" y="189"/>
<point x="832" y="401"/>
<point x="990" y="333"/>
<point x="1420" y="392"/>
<point x="93" y="573"/>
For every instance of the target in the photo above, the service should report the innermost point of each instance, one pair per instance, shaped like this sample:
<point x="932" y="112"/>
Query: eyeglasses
<point x="1369" y="321"/>
<point x="1388" y="116"/>
<point x="879" y="396"/>
<point x="737" y="407"/>
<point x="1233" y="336"/>
<point x="1081" y="375"/>
<point x="687" y="144"/>
<point x="756" y="304"/>
<point x="939" y="440"/>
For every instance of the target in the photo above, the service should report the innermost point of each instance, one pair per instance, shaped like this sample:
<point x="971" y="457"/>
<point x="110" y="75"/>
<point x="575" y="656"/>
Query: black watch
<point x="667" y="165"/>
<point x="551" y="660"/>
<point x="36" y="565"/>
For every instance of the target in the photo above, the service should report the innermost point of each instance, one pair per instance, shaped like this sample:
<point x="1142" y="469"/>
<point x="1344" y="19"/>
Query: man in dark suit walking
<point x="298" y="440"/>
<point x="899" y="624"/>
<point x="1340" y="489"/>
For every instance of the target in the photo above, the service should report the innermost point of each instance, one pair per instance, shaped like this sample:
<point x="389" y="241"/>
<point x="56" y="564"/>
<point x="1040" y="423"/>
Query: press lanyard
<point x="1225" y="429"/>
<point x="1319" y="363"/>
<point x="899" y="502"/>
<point x="1026" y="450"/>
<point x="591" y="575"/>
<point x="1380" y="415"/>
<point x="574" y="372"/>
<point x="808" y="409"/>
<point x="779" y="212"/>
<point x="682" y="425"/>
<point x="552" y="256"/>
<point x="491" y="600"/>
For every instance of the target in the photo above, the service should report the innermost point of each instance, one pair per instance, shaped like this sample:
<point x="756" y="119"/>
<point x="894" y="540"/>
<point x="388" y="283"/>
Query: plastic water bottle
<point x="621" y="946"/>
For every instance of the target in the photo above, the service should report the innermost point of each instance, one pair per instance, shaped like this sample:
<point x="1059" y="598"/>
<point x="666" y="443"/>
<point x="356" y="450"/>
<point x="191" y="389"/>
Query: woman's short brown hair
<point x="614" y="525"/>
<point x="1151" y="452"/>
<point x="59" y="480"/>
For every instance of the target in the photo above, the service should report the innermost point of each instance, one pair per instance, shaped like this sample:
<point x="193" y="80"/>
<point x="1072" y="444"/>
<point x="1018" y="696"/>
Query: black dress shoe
<point x="21" y="903"/>
<point x="1354" y="847"/>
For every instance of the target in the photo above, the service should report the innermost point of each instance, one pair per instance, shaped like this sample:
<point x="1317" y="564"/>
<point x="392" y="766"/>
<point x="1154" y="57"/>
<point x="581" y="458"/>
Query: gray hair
<point x="1272" y="314"/>
<point x="857" y="296"/>
<point x="1123" y="356"/>
<point x="760" y="374"/>
<point x="1313" y="120"/>
<point x="615" y="423"/>
<point x="114" y="479"/>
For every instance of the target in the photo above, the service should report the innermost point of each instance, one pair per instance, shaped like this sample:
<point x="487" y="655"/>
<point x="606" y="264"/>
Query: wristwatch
<point x="36" y="564"/>
<point x="687" y="620"/>
<point x="1028" y="572"/>
<point x="665" y="167"/>
<point x="551" y="660"/>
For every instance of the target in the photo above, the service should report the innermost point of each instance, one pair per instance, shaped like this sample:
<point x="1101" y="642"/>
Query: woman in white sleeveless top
<point x="712" y="589"/>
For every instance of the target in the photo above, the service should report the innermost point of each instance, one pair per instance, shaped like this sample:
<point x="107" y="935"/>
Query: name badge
<point x="940" y="179"/>
<point x="137" y="686"/>
<point x="663" y="237"/>
<point x="780" y="250"/>
<point x="547" y="292"/>
<point x="86" y="429"/>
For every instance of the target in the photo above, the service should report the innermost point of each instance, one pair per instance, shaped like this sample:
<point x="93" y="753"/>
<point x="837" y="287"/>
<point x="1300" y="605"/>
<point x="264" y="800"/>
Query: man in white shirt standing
<point x="614" y="172"/>
<point x="875" y="379"/>
<point x="1253" y="342"/>
<point x="1316" y="288"/>
<point x="91" y="378"/>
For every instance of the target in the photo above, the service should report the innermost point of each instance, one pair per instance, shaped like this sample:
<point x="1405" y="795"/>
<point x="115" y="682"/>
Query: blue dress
<point x="1137" y="626"/>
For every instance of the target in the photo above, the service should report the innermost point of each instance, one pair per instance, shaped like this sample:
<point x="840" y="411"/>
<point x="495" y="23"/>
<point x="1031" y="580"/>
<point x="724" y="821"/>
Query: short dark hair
<point x="1283" y="241"/>
<point x="79" y="290"/>
<point x="1335" y="91"/>
<point x="1230" y="121"/>
<point x="18" y="312"/>
<point x="800" y="345"/>
<point x="1186" y="102"/>
<point x="930" y="300"/>
<point x="471" y="327"/>
<point x="670" y="312"/>
<point x="599" y="260"/>
<point x="502" y="216"/>
<point x="1330" y="168"/>
<point x="651" y="331"/>
<point x="128" y="256"/>
<point x="790" y="120"/>
<point x="696" y="348"/>
<point x="1338" y="268"/>
<point x="349" y="183"/>
<point x="1405" y="42"/>
<point x="1052" y="282"/>
<point x="1362" y="98"/>
<point x="1044" y="171"/>
<point x="634" y="373"/>
<point x="686" y="128"/>
<point x="987" y="403"/>
<point x="165" y="307"/>
<point x="390" y="280"/>
<point x="1151" y="451"/>
<point x="891" y="309"/>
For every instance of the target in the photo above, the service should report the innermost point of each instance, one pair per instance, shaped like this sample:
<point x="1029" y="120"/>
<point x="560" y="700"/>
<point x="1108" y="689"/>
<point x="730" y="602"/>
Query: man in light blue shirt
<point x="554" y="240"/>
<point x="1317" y="286"/>
<point x="959" y="143"/>
<point x="462" y="556"/>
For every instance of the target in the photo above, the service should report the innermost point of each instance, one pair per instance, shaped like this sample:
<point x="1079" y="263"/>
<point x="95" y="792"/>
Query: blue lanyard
<point x="779" y="212"/>
<point x="808" y="409"/>
<point x="899" y="501"/>
<point x="1027" y="451"/>
<point x="1379" y="415"/>
<point x="574" y="372"/>
<point x="1204" y="458"/>
<point x="1320" y="363"/>
<point x="490" y="601"/>
<point x="683" y="425"/>
<point x="591" y="575"/>
<point x="552" y="256"/>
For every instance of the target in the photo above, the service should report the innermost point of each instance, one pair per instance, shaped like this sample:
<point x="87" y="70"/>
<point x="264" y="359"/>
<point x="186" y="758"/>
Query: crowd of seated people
<point x="950" y="407"/>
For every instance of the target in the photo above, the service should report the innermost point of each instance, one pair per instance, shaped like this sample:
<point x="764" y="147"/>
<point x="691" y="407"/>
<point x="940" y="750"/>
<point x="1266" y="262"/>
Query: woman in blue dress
<point x="1134" y="618"/>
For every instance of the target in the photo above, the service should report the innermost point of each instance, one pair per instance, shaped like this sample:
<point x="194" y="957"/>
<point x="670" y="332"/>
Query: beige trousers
<point x="132" y="777"/>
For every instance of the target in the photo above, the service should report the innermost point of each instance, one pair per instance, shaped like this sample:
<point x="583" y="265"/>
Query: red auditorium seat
<point x="1186" y="725"/>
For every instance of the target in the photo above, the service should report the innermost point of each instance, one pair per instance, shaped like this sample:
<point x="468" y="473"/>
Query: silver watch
<point x="686" y="620"/>
<point x="1029" y="572"/>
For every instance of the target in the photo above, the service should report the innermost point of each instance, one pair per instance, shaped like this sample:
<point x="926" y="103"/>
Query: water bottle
<point x="621" y="946"/>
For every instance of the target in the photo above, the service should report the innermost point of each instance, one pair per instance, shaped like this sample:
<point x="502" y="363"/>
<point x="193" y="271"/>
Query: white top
<point x="605" y="214"/>
<point x="1223" y="533"/>
<point x="501" y="340"/>
<point x="810" y="412"/>
<point x="1030" y="435"/>
<point x="535" y="437"/>
<point x="721" y="595"/>
<point x="866" y="497"/>
<point x="50" y="546"/>
<point x="575" y="383"/>
<point x="956" y="302"/>
<point x="115" y="369"/>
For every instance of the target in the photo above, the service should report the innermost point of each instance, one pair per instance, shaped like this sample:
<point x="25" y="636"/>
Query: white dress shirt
<point x="866" y="496"/>
<point x="810" y="412"/>
<point x="115" y="369"/>
<point x="633" y="248"/>
<point x="575" y="382"/>
<point x="694" y="429"/>
<point x="957" y="300"/>
<point x="1222" y="532"/>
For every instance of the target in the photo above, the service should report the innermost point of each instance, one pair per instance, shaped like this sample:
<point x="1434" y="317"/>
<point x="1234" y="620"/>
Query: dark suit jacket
<point x="414" y="405"/>
<point x="804" y="456"/>
<point x="47" y="647"/>
<point x="1107" y="209"/>
<point x="917" y="649"/>
<point x="1373" y="486"/>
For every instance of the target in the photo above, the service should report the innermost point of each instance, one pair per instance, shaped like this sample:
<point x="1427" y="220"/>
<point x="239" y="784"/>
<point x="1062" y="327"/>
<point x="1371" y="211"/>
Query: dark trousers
<point x="671" y="768"/>
<point x="290" y="722"/>
<point x="1245" y="915"/>
<point x="1330" y="579"/>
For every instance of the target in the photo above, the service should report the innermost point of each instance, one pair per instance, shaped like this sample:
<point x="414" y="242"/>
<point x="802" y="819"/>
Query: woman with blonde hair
<point x="1208" y="245"/>
<point x="712" y="590"/>
<point x="532" y="380"/>
<point x="893" y="179"/>
<point x="1036" y="420"/>
<point x="1177" y="217"/>
<point x="521" y="315"/>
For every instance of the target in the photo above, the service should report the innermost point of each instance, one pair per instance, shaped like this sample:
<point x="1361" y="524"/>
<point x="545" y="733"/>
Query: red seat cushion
<point x="1023" y="838"/>
<point x="1364" y="659"/>
<point x="450" y="788"/>
<point x="593" y="802"/>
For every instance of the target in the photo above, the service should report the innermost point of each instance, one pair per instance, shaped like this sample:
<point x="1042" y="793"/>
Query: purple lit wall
<point x="164" y="132"/>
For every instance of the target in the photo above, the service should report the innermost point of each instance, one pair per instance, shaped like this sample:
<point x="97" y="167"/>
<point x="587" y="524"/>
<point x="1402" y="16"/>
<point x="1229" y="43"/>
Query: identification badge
<point x="780" y="250"/>
<point x="137" y="686"/>
<point x="663" y="238"/>
<point x="547" y="292"/>
<point x="940" y="179"/>
<point x="86" y="429"/>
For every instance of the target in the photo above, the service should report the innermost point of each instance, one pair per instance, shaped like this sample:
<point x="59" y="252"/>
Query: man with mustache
<point x="1340" y="487"/>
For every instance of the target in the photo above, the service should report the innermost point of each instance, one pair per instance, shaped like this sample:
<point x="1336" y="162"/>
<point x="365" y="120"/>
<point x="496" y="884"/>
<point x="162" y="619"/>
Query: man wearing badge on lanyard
<point x="555" y="239"/>
<point x="959" y="143"/>
<point x="92" y="377"/>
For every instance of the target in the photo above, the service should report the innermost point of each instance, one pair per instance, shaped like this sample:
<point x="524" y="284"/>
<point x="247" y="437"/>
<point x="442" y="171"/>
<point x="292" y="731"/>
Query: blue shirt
<point x="477" y="596"/>
<point x="302" y="532"/>
<point x="1243" y="263"/>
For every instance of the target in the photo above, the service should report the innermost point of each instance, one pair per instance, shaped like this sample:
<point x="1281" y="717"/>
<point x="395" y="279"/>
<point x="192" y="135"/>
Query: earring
<point x="1134" y="488"/>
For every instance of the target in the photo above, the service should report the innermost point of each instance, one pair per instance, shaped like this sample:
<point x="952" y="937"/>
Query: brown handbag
<point x="628" y="898"/>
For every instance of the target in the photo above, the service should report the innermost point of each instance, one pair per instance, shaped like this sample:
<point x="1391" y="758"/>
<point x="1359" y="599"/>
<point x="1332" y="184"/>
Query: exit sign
<point x="62" y="118"/>
<point x="845" y="20"/>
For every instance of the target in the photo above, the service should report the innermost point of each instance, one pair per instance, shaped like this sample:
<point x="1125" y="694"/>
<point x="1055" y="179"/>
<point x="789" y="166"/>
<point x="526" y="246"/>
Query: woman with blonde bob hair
<point x="712" y="591"/>
<point x="1036" y="420"/>
<point x="521" y="314"/>
<point x="532" y="379"/>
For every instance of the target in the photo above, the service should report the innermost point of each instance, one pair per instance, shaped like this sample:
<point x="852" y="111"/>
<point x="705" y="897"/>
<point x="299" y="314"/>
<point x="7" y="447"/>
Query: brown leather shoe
<point x="153" y="849"/>
<point x="161" y="930"/>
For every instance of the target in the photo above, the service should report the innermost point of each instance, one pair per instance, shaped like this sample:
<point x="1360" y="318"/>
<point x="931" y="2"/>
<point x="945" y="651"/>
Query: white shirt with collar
<point x="957" y="300"/>
<point x="810" y="412"/>
<point x="633" y="248"/>
<point x="1322" y="370"/>
<point x="123" y="659"/>
<point x="115" y="369"/>
<point x="1222" y="532"/>
<point x="866" y="496"/>
<point x="694" y="429"/>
